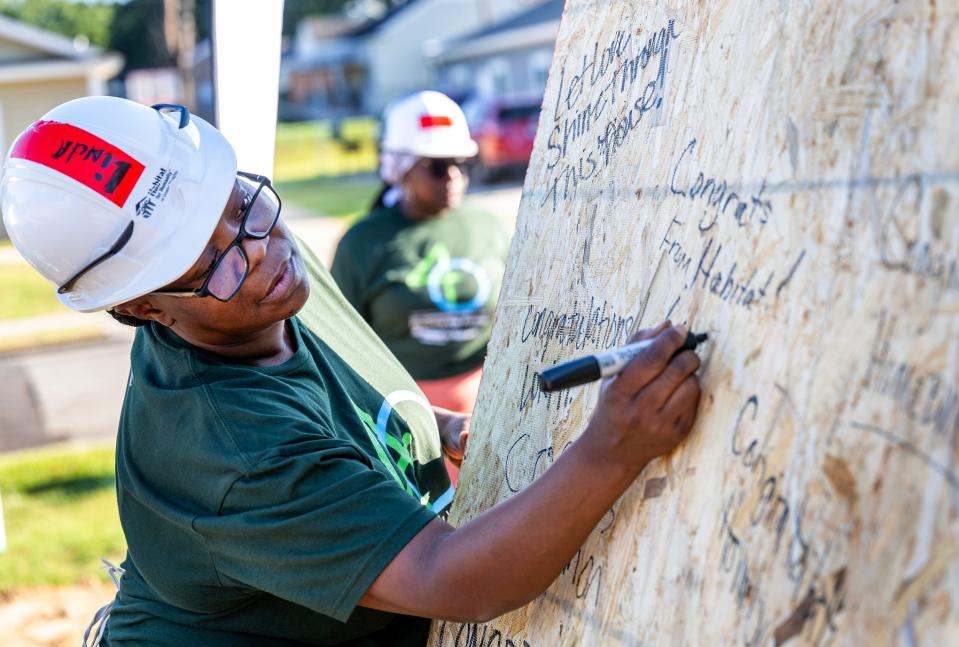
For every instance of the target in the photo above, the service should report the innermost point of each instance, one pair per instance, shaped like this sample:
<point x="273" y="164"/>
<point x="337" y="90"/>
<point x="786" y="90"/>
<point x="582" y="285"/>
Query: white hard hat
<point x="99" y="173"/>
<point x="428" y="124"/>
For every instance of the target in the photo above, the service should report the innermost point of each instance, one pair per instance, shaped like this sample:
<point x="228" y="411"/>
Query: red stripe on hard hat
<point x="80" y="155"/>
<point x="432" y="121"/>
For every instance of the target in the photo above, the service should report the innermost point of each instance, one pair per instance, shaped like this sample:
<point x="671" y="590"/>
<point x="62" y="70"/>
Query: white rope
<point x="99" y="622"/>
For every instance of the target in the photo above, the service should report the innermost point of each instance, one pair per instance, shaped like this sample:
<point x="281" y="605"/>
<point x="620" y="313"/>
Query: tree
<point x="136" y="28"/>
<point x="92" y="20"/>
<point x="296" y="10"/>
<point x="137" y="33"/>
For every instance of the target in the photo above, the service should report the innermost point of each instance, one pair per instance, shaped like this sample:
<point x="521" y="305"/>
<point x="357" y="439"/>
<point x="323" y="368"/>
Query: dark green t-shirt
<point x="260" y="503"/>
<point x="427" y="288"/>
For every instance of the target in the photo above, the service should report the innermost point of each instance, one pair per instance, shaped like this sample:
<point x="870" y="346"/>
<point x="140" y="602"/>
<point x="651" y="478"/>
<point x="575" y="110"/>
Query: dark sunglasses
<point x="439" y="166"/>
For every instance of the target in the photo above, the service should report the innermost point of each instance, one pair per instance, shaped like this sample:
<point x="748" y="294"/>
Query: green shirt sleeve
<point x="315" y="524"/>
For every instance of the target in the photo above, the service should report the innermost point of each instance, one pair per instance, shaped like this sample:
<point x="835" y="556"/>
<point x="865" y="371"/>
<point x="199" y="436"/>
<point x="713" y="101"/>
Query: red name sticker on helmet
<point x="432" y="121"/>
<point x="80" y="155"/>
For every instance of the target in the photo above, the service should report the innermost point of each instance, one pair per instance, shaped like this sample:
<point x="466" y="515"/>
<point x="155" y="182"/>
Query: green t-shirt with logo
<point x="260" y="503"/>
<point x="428" y="288"/>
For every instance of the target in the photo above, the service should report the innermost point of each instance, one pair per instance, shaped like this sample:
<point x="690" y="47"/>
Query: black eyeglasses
<point x="439" y="166"/>
<point x="227" y="274"/>
<point x="127" y="233"/>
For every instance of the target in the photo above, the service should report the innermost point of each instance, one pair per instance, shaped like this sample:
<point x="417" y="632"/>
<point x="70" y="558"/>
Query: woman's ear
<point x="146" y="309"/>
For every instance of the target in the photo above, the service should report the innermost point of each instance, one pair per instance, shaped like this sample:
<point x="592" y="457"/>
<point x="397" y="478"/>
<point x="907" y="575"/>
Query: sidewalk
<point x="55" y="329"/>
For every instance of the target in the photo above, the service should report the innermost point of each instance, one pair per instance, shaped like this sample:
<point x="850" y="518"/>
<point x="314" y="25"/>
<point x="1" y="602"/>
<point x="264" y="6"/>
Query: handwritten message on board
<point x="785" y="177"/>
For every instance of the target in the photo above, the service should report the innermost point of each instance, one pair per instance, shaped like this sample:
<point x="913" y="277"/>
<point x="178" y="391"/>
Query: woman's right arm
<point x="511" y="553"/>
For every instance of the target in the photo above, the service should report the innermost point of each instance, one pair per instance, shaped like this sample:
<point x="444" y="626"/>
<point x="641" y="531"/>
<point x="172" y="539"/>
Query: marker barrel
<point x="593" y="367"/>
<point x="569" y="374"/>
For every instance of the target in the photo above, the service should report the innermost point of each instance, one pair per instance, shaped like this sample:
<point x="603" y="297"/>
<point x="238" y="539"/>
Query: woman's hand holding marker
<point x="646" y="410"/>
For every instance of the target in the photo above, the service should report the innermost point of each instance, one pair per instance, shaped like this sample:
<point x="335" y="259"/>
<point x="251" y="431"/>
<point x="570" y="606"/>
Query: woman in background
<point x="423" y="269"/>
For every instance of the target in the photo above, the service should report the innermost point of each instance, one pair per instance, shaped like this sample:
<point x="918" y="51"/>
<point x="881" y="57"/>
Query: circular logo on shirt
<point x="446" y="279"/>
<point x="399" y="451"/>
<point x="454" y="284"/>
<point x="390" y="402"/>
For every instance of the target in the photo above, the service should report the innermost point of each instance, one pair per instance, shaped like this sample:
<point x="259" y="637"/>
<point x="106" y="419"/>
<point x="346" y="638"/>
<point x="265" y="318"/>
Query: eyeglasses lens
<point x="229" y="274"/>
<point x="259" y="220"/>
<point x="263" y="212"/>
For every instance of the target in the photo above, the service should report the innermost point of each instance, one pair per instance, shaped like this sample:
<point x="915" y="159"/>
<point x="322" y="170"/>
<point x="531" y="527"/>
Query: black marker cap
<point x="570" y="374"/>
<point x="692" y="341"/>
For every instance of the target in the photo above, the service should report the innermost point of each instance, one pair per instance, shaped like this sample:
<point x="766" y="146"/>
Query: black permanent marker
<point x="610" y="362"/>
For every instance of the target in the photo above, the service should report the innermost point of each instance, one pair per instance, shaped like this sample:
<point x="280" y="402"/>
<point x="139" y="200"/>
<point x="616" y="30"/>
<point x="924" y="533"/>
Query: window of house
<point x="538" y="67"/>
<point x="458" y="77"/>
<point x="494" y="78"/>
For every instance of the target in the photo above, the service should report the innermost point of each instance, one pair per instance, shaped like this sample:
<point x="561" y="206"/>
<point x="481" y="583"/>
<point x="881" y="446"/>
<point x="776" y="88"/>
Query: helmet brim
<point x="467" y="149"/>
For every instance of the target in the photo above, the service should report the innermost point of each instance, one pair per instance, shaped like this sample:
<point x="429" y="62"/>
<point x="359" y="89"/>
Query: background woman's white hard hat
<point x="75" y="180"/>
<point x="428" y="124"/>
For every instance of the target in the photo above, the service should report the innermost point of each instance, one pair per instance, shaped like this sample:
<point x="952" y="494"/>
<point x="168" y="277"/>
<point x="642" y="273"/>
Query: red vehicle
<point x="504" y="129"/>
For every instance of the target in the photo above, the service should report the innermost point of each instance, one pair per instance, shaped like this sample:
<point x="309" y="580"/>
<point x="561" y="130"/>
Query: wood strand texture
<point x="784" y="176"/>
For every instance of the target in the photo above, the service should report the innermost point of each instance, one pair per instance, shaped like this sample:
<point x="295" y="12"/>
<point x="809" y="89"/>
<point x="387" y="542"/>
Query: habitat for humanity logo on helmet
<point x="157" y="193"/>
<point x="459" y="288"/>
<point x="145" y="207"/>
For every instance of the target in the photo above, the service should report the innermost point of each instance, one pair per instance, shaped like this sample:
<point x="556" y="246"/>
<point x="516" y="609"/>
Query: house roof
<point x="374" y="24"/>
<point x="536" y="27"/>
<point x="549" y="11"/>
<point x="329" y="27"/>
<point x="45" y="41"/>
<point x="57" y="56"/>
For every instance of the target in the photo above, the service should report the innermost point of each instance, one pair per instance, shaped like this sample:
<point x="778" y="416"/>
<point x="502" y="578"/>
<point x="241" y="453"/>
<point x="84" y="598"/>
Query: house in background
<point x="511" y="57"/>
<point x="342" y="66"/>
<point x="149" y="85"/>
<point x="153" y="85"/>
<point x="40" y="70"/>
<point x="325" y="73"/>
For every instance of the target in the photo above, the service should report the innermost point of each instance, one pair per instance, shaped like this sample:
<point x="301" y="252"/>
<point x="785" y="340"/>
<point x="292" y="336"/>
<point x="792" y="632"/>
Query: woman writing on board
<point x="279" y="475"/>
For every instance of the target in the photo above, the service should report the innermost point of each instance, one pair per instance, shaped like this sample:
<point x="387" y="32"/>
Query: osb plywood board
<point x="785" y="176"/>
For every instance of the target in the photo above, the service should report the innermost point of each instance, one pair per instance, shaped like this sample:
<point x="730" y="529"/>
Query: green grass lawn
<point x="324" y="174"/>
<point x="347" y="198"/>
<point x="60" y="511"/>
<point x="309" y="149"/>
<point x="24" y="293"/>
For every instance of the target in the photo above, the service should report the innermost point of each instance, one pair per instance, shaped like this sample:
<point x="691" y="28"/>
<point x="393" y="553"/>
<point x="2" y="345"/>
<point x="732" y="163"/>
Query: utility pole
<point x="179" y="31"/>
